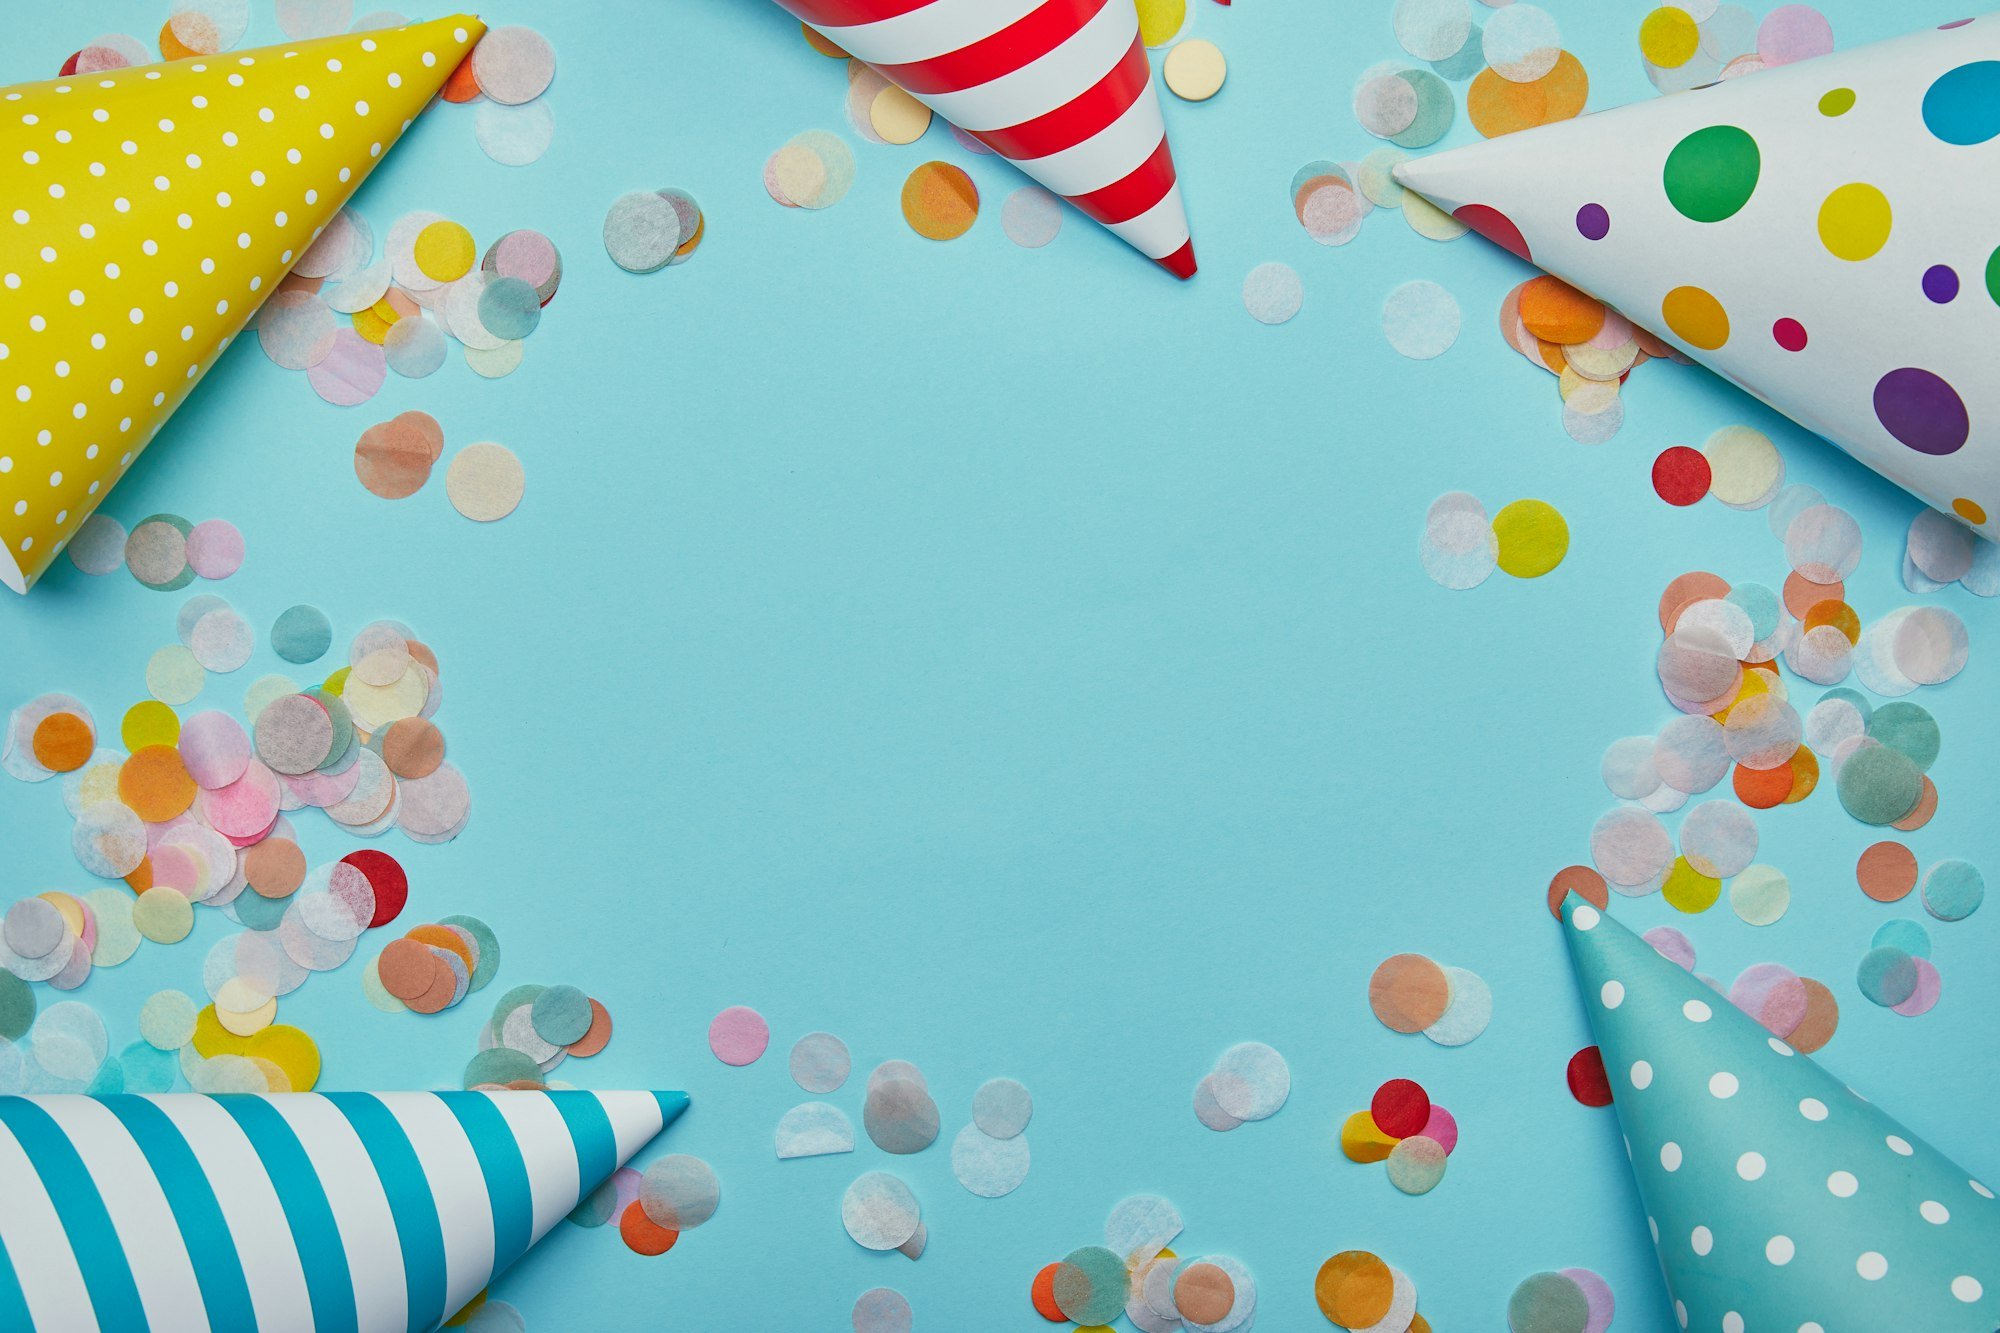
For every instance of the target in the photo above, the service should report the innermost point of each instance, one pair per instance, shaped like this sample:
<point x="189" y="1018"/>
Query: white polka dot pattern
<point x="149" y="211"/>
<point x="1778" y="1198"/>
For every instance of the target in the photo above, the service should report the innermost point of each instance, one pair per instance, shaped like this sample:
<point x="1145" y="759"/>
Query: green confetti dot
<point x="561" y="1015"/>
<point x="1548" y="1303"/>
<point x="500" y="1064"/>
<point x="1090" y="1285"/>
<point x="1879" y="785"/>
<point x="17" y="1007"/>
<point x="1908" y="729"/>
<point x="1905" y="934"/>
<point x="1711" y="173"/>
<point x="489" y="943"/>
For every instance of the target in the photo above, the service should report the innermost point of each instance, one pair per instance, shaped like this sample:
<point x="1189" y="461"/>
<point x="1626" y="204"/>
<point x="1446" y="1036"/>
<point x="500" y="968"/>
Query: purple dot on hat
<point x="1593" y="222"/>
<point x="1789" y="334"/>
<point x="1922" y="411"/>
<point x="1940" y="283"/>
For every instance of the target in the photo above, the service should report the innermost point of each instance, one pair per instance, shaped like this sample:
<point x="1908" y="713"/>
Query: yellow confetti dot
<point x="149" y="723"/>
<point x="291" y="1050"/>
<point x="1696" y="318"/>
<point x="444" y="251"/>
<point x="897" y="116"/>
<point x="1159" y="20"/>
<point x="211" y="1038"/>
<point x="1363" y="1141"/>
<point x="1688" y="890"/>
<point x="1854" y="222"/>
<point x="1195" y="70"/>
<point x="163" y="915"/>
<point x="819" y="43"/>
<point x="336" y="684"/>
<point x="375" y="322"/>
<point x="1970" y="510"/>
<point x="1533" y="538"/>
<point x="1669" y="37"/>
<point x="472" y="1306"/>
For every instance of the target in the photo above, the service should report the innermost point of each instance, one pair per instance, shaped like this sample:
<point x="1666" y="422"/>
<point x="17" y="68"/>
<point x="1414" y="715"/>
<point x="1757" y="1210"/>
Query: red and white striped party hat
<point x="1060" y="88"/>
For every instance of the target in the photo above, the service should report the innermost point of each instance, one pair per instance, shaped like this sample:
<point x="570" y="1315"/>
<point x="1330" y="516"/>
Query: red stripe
<point x="1077" y="119"/>
<point x="1141" y="188"/>
<point x="1029" y="38"/>
<point x="847" y="13"/>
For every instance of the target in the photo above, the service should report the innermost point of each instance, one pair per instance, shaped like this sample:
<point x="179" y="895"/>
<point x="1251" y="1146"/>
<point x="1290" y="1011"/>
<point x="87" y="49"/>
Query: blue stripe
<point x="85" y="1222"/>
<point x="209" y="1244"/>
<point x="401" y="1172"/>
<point x="314" y="1232"/>
<point x="13" y="1305"/>
<point x="590" y="1129"/>
<point x="671" y="1105"/>
<point x="506" y="1173"/>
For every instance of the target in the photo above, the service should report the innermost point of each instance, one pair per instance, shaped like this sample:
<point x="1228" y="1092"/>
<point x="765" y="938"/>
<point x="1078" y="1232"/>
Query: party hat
<point x="1817" y="233"/>
<point x="1060" y="88"/>
<point x="149" y="211"/>
<point x="1778" y="1198"/>
<point x="351" y="1210"/>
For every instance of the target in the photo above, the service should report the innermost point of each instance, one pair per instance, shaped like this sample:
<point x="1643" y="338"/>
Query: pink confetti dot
<point x="738" y="1036"/>
<point x="215" y="548"/>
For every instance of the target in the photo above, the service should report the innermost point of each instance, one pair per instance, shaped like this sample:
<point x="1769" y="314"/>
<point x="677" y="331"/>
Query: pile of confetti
<point x="1249" y="1082"/>
<point x="1699" y="42"/>
<point x="506" y="74"/>
<point x="346" y="318"/>
<point x="1357" y="1290"/>
<point x="433" y="967"/>
<point x="1573" y="1298"/>
<point x="1405" y="1129"/>
<point x="519" y="1047"/>
<point x="1940" y="552"/>
<point x="1589" y="347"/>
<point x="648" y="230"/>
<point x="1461" y="546"/>
<point x="164" y="552"/>
<point x="1134" y="1273"/>
<point x="1411" y="993"/>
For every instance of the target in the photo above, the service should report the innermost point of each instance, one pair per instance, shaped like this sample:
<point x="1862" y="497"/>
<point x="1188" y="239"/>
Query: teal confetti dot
<point x="148" y="1068"/>
<point x="1090" y="1285"/>
<point x="257" y="912"/>
<point x="1905" y="934"/>
<point x="17" y="1007"/>
<point x="509" y="308"/>
<point x="1887" y="975"/>
<point x="513" y="999"/>
<point x="561" y="1015"/>
<point x="301" y="634"/>
<point x="1953" y="890"/>
<point x="482" y="934"/>
<point x="501" y="1064"/>
<point x="595" y="1208"/>
<point x="1760" y="603"/>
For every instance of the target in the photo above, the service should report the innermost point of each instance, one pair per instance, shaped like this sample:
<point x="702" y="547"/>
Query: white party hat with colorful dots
<point x="374" y="1212"/>
<point x="1818" y="233"/>
<point x="1778" y="1198"/>
<point x="145" y="214"/>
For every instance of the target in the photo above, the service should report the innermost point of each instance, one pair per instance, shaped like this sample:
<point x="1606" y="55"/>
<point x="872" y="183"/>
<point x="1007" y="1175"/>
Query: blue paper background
<point x="1018" y="663"/>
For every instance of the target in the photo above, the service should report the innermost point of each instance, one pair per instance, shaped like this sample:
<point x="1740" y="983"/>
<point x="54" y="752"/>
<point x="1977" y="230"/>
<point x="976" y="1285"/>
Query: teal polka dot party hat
<point x="1818" y="234"/>
<point x="1781" y="1201"/>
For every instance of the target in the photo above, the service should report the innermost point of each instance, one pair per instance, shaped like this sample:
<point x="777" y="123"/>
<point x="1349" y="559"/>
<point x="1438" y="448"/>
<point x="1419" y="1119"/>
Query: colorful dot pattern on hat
<point x="1777" y="1198"/>
<point x="1788" y="231"/>
<point x="145" y="213"/>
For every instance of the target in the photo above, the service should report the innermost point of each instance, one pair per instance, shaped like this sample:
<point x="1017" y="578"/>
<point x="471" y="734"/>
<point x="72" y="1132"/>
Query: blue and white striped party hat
<point x="351" y="1211"/>
<point x="1779" y="1199"/>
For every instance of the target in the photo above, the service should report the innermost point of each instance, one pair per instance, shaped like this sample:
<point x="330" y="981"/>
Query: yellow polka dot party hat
<point x="145" y="213"/>
<point x="1820" y="233"/>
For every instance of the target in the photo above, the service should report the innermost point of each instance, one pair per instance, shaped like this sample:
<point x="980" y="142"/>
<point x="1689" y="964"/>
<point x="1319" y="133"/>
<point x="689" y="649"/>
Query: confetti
<point x="1031" y="217"/>
<point x="1273" y="293"/>
<point x="738" y="1036"/>
<point x="485" y="482"/>
<point x="987" y="1166"/>
<point x="880" y="1213"/>
<point x="1408" y="992"/>
<point x="819" y="1062"/>
<point x="1194" y="70"/>
<point x="1001" y="1108"/>
<point x="1420" y="320"/>
<point x="940" y="202"/>
<point x="814" y="1129"/>
<point x="812" y="170"/>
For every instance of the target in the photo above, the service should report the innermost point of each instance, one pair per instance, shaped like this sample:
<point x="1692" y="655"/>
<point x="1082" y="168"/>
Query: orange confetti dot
<point x="1408" y="992"/>
<point x="141" y="879"/>
<point x="1760" y="789"/>
<point x="1927" y="804"/>
<point x="171" y="47"/>
<point x="1696" y="318"/>
<point x="1887" y="871"/>
<point x="443" y="938"/>
<point x="1837" y="614"/>
<point x="597" y="1036"/>
<point x="1802" y="594"/>
<point x="940" y="201"/>
<point x="1043" y="1294"/>
<point x="156" y="784"/>
<point x="1497" y="105"/>
<point x="1556" y="312"/>
<point x="463" y="84"/>
<point x="819" y="43"/>
<point x="1354" y="1289"/>
<point x="1583" y="881"/>
<point x="1805" y="775"/>
<point x="63" y="742"/>
<point x="642" y="1234"/>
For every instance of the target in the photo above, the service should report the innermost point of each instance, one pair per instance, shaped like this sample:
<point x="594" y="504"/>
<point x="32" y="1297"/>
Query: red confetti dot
<point x="1588" y="1082"/>
<point x="387" y="877"/>
<point x="1400" y="1108"/>
<point x="1790" y="335"/>
<point x="1681" y="475"/>
<point x="1496" y="227"/>
<point x="1043" y="1294"/>
<point x="642" y="1235"/>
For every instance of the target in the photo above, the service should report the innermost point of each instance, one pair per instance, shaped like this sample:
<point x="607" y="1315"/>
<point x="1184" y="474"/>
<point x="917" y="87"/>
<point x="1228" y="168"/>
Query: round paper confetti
<point x="1272" y="293"/>
<point x="819" y="1062"/>
<point x="880" y="1213"/>
<point x="1031" y="217"/>
<point x="1409" y="992"/>
<point x="679" y="1192"/>
<point x="1420" y="320"/>
<point x="1533" y="538"/>
<point x="1194" y="70"/>
<point x="1001" y="1107"/>
<point x="485" y="482"/>
<point x="940" y="201"/>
